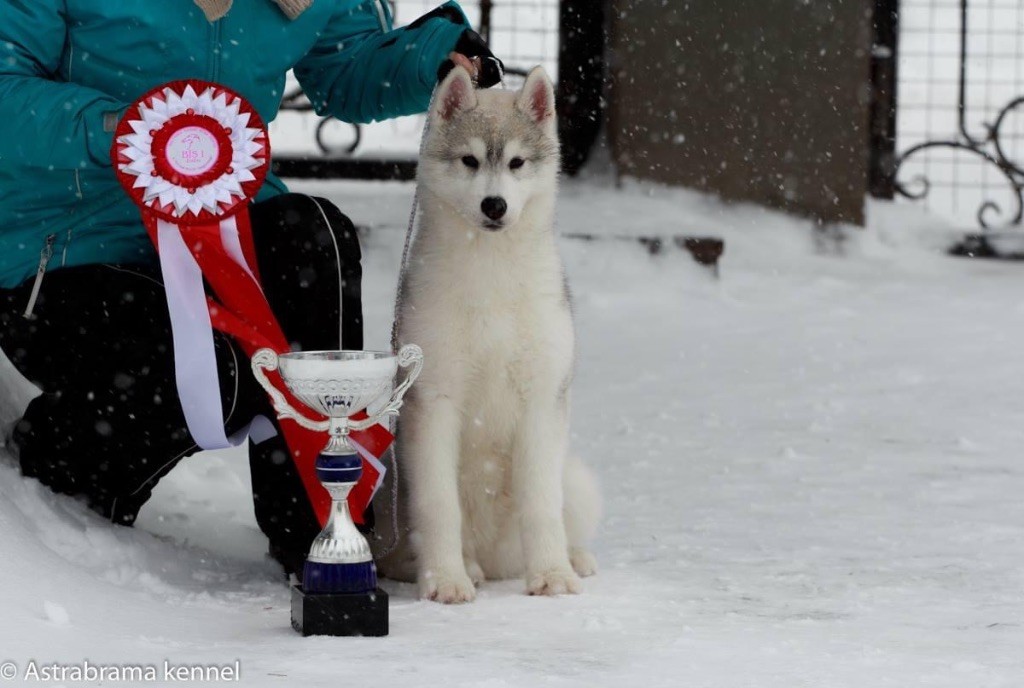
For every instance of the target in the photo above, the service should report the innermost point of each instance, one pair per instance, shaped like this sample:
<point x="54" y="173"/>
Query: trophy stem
<point x="338" y="444"/>
<point x="340" y="560"/>
<point x="339" y="593"/>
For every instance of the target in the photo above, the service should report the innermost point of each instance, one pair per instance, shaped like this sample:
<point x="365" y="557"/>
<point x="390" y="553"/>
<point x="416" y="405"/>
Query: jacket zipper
<point x="215" y="51"/>
<point x="44" y="260"/>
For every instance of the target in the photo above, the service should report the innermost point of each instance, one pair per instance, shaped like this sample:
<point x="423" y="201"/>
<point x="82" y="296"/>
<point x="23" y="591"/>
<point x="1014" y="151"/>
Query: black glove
<point x="472" y="45"/>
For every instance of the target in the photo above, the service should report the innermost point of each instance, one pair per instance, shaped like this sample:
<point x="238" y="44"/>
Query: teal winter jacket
<point x="68" y="68"/>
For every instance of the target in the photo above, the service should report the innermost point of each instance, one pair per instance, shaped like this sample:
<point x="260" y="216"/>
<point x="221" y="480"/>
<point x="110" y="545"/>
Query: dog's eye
<point x="470" y="162"/>
<point x="516" y="163"/>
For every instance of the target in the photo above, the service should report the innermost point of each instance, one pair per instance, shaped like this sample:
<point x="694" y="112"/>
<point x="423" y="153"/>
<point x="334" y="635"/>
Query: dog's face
<point x="489" y="152"/>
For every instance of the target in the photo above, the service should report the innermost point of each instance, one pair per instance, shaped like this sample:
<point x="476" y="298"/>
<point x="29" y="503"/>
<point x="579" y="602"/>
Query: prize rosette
<point x="191" y="152"/>
<point x="193" y="155"/>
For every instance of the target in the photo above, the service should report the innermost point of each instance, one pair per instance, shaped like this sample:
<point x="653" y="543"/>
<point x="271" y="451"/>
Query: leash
<point x="396" y="319"/>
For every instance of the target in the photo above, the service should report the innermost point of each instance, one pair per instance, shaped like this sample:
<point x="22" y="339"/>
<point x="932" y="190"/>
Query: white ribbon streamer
<point x="195" y="363"/>
<point x="233" y="245"/>
<point x="374" y="461"/>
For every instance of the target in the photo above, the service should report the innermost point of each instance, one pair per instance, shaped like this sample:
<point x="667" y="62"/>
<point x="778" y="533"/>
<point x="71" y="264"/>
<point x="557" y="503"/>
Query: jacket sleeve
<point x="47" y="123"/>
<point x="363" y="70"/>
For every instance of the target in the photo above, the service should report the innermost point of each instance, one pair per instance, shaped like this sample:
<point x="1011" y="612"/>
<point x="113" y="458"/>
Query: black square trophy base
<point x="364" y="613"/>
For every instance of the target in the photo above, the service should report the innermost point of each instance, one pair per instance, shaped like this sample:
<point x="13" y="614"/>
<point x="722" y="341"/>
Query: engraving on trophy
<point x="335" y="401"/>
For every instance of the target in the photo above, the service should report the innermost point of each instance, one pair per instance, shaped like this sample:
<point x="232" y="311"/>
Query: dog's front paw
<point x="559" y="581"/>
<point x="583" y="562"/>
<point x="447" y="587"/>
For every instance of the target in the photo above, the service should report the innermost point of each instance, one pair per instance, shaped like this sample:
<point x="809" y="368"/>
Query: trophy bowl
<point x="339" y="593"/>
<point x="338" y="383"/>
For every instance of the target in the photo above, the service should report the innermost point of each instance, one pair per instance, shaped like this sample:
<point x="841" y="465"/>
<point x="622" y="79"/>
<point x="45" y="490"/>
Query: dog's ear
<point x="455" y="94"/>
<point x="537" y="99"/>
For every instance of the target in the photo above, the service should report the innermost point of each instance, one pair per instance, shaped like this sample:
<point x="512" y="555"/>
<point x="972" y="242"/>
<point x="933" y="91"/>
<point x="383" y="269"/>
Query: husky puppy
<point x="490" y="490"/>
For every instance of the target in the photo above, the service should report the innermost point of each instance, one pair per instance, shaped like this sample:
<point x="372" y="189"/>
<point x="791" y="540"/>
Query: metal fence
<point x="957" y="67"/>
<point x="523" y="33"/>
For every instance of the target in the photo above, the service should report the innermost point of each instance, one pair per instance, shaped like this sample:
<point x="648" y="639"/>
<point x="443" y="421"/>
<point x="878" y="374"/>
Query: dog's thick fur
<point x="490" y="491"/>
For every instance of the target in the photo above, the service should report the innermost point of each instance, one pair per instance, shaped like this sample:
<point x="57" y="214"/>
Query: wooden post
<point x="882" y="164"/>
<point x="581" y="76"/>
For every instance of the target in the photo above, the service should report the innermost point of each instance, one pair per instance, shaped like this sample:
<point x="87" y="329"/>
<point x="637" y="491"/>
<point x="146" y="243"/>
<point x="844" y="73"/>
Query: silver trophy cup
<point x="339" y="593"/>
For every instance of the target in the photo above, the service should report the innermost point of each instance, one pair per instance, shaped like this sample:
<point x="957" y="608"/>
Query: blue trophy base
<point x="340" y="614"/>
<point x="318" y="578"/>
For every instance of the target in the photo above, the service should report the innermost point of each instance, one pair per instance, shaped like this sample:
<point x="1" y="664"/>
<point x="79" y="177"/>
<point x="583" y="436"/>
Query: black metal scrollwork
<point x="989" y="148"/>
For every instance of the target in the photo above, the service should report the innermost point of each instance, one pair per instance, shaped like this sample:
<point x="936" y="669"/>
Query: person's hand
<point x="472" y="53"/>
<point x="470" y="64"/>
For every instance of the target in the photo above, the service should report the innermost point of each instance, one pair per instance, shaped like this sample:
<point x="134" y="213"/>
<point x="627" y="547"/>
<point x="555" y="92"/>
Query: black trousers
<point x="109" y="424"/>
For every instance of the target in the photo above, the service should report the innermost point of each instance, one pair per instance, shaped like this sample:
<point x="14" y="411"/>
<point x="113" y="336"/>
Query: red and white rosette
<point x="191" y="152"/>
<point x="193" y="155"/>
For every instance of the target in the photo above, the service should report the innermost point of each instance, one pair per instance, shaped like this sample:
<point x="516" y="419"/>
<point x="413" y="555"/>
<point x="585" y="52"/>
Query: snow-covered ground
<point x="818" y="482"/>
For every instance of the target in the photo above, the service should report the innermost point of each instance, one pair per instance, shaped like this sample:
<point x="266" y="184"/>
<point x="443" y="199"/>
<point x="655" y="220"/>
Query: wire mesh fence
<point x="960" y="128"/>
<point x="523" y="33"/>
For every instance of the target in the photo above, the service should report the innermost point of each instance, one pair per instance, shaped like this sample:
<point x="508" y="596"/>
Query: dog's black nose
<point x="494" y="207"/>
